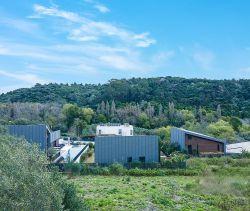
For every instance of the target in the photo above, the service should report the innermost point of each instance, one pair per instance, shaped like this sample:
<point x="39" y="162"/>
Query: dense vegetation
<point x="28" y="183"/>
<point x="222" y="184"/>
<point x="232" y="95"/>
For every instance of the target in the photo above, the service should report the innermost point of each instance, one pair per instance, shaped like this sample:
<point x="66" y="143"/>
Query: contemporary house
<point x="39" y="134"/>
<point x="112" y="129"/>
<point x="196" y="142"/>
<point x="126" y="149"/>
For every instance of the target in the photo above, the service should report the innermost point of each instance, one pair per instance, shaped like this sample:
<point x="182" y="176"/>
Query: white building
<point x="112" y="129"/>
<point x="238" y="147"/>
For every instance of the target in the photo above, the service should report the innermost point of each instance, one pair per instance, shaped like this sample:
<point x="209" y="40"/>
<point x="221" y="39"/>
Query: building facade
<point x="194" y="142"/>
<point x="37" y="134"/>
<point x="112" y="129"/>
<point x="126" y="149"/>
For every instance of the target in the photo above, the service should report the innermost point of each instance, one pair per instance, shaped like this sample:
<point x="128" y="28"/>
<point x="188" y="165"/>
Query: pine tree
<point x="113" y="108"/>
<point x="103" y="107"/>
<point x="160" y="112"/>
<point x="218" y="111"/>
<point x="107" y="109"/>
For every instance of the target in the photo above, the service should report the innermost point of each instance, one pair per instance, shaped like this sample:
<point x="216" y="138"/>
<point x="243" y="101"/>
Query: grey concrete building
<point x="126" y="149"/>
<point x="39" y="134"/>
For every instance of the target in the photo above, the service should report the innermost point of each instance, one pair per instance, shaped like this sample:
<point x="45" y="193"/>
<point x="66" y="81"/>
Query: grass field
<point x="221" y="187"/>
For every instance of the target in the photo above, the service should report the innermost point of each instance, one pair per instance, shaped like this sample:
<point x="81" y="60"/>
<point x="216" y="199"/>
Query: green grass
<point x="223" y="185"/>
<point x="161" y="193"/>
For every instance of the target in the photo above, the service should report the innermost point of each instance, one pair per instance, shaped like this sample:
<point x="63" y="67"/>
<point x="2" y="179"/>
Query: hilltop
<point x="232" y="95"/>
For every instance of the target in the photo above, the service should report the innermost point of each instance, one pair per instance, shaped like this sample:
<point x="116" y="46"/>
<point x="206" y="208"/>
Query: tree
<point x="171" y="110"/>
<point x="222" y="130"/>
<point x="51" y="153"/>
<point x="164" y="133"/>
<point x="160" y="112"/>
<point x="218" y="111"/>
<point x="87" y="115"/>
<point x="143" y="120"/>
<point x="235" y="122"/>
<point x="107" y="109"/>
<point x="113" y="108"/>
<point x="71" y="112"/>
<point x="25" y="181"/>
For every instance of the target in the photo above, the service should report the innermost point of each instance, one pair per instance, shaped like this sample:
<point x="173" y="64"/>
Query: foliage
<point x="71" y="200"/>
<point x="25" y="181"/>
<point x="229" y="97"/>
<point x="222" y="130"/>
<point x="169" y="148"/>
<point x="164" y="133"/>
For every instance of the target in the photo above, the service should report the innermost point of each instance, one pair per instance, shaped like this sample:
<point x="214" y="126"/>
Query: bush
<point x="71" y="201"/>
<point x="91" y="145"/>
<point x="116" y="169"/>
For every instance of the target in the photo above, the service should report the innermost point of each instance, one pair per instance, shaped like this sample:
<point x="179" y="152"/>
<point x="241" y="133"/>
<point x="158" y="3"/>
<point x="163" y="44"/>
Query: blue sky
<point x="93" y="41"/>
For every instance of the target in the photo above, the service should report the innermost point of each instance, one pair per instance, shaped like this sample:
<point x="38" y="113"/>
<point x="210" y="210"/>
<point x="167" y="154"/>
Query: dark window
<point x="142" y="159"/>
<point x="190" y="150"/>
<point x="100" y="132"/>
<point x="129" y="159"/>
<point x="197" y="148"/>
<point x="189" y="137"/>
<point x="120" y="131"/>
<point x="218" y="147"/>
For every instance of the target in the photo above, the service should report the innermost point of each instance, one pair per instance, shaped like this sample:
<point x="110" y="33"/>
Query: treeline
<point x="232" y="95"/>
<point x="147" y="118"/>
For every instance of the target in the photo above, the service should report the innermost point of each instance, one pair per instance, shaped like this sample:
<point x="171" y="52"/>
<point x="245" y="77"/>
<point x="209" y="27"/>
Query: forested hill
<point x="232" y="95"/>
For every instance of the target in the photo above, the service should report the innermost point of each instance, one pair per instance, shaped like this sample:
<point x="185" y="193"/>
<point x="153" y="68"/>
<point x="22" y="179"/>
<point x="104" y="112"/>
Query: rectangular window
<point x="129" y="159"/>
<point x="100" y="132"/>
<point x="190" y="149"/>
<point x="120" y="131"/>
<point x="218" y="147"/>
<point x="142" y="159"/>
<point x="131" y="132"/>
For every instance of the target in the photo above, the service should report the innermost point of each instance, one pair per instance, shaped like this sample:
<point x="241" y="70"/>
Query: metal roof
<point x="201" y="135"/>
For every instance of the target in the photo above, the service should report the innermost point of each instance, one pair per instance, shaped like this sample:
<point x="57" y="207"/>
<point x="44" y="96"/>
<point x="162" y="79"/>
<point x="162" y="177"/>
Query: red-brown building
<point x="196" y="143"/>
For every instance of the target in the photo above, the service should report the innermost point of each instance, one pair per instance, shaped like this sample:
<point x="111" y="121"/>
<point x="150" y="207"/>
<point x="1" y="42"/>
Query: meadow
<point x="223" y="184"/>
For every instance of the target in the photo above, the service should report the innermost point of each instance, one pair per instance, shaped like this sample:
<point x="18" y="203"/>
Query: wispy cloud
<point x="97" y="5"/>
<point x="24" y="77"/>
<point x="19" y="24"/>
<point x="102" y="8"/>
<point x="91" y="30"/>
<point x="204" y="59"/>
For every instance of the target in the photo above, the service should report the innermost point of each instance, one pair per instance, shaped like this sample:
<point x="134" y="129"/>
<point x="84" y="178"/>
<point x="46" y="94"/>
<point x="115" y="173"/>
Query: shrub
<point x="116" y="169"/>
<point x="71" y="201"/>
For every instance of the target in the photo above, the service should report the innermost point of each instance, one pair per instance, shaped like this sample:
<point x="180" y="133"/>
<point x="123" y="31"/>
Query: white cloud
<point x="53" y="11"/>
<point x="102" y="8"/>
<point x="19" y="24"/>
<point x="24" y="77"/>
<point x="91" y="30"/>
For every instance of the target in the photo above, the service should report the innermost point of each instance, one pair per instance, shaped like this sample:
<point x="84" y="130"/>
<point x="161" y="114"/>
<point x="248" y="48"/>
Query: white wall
<point x="119" y="130"/>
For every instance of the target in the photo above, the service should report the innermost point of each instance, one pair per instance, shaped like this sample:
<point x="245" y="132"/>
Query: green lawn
<point x="164" y="192"/>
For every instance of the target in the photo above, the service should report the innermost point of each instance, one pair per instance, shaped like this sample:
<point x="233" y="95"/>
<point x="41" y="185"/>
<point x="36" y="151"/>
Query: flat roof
<point x="238" y="147"/>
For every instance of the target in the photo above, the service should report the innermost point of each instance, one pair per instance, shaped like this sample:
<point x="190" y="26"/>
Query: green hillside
<point x="232" y="95"/>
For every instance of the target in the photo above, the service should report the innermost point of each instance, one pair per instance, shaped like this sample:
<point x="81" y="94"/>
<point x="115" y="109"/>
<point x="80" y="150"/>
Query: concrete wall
<point x="114" y="130"/>
<point x="112" y="149"/>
